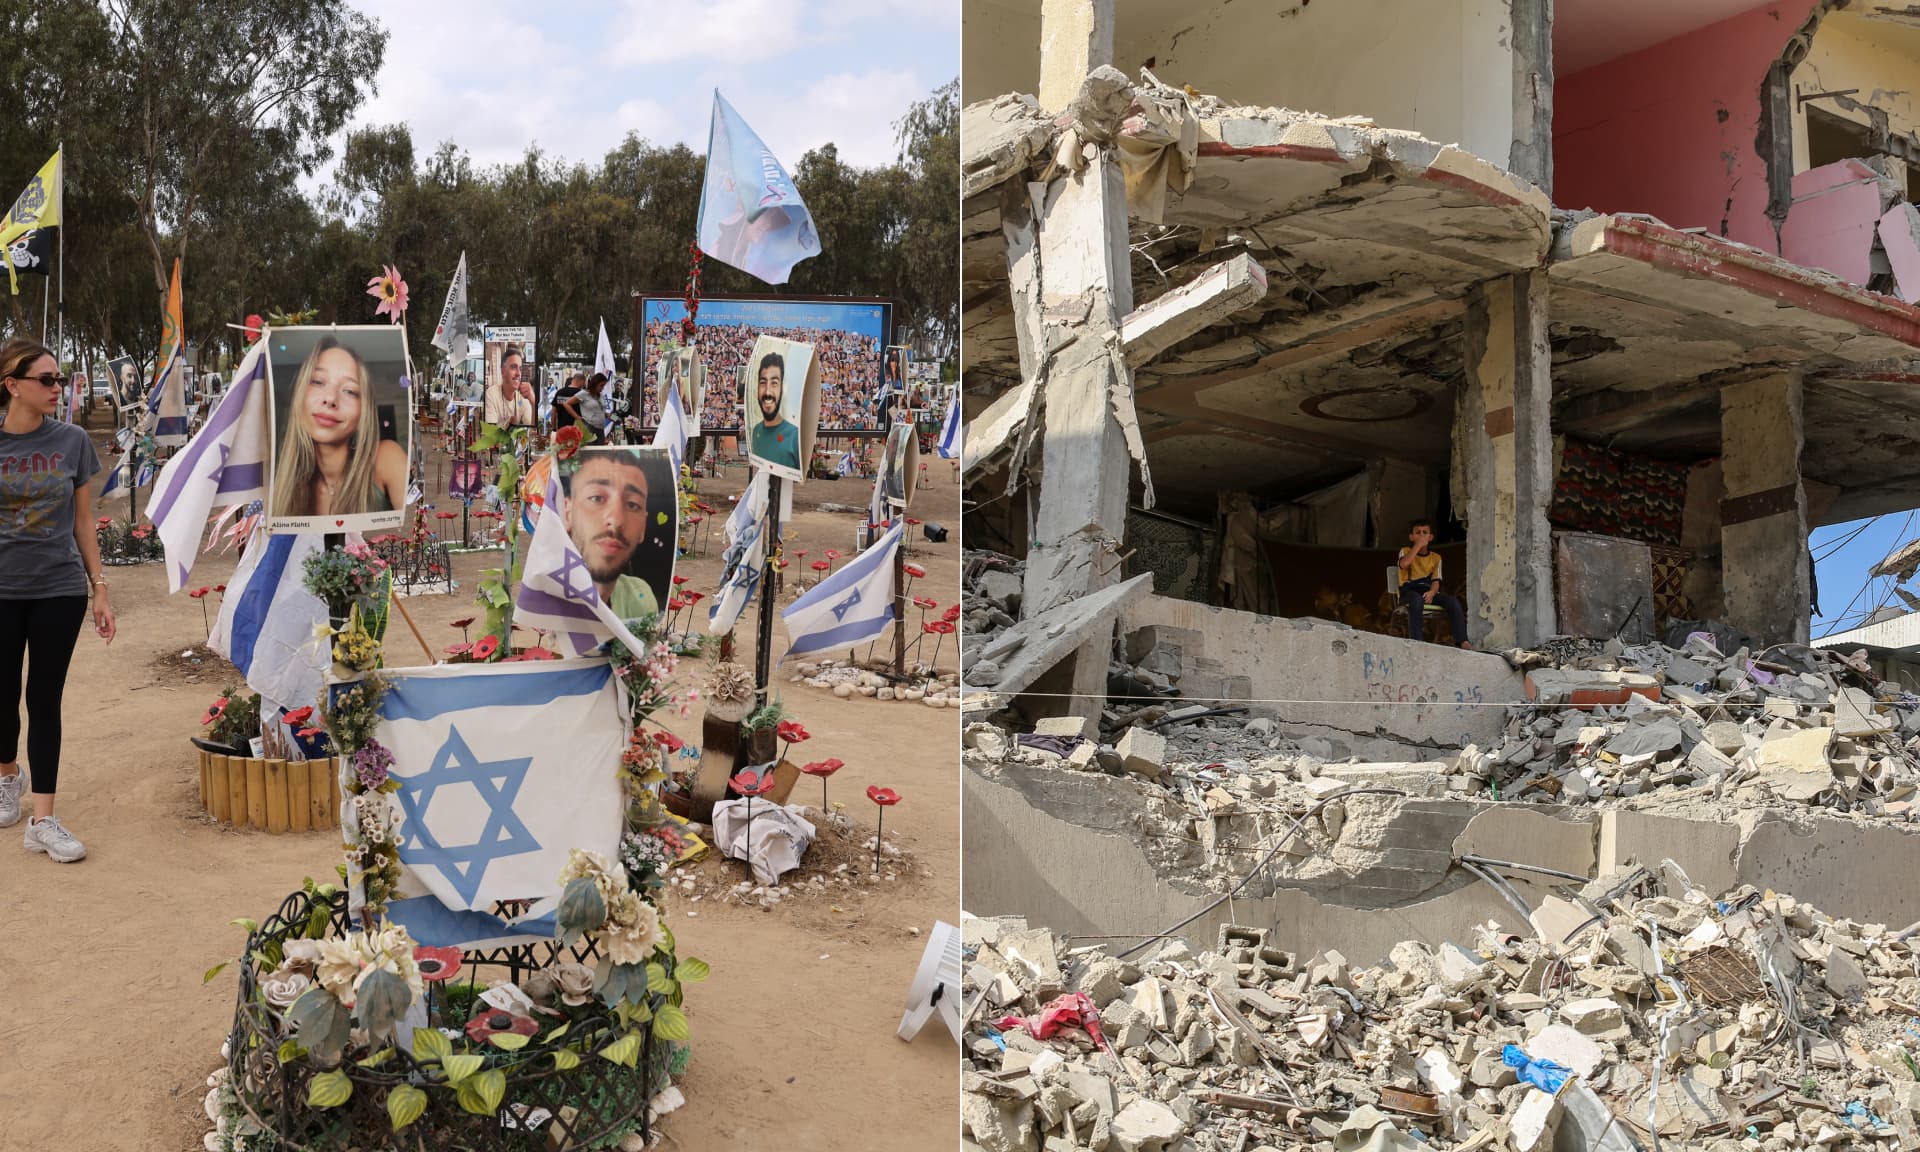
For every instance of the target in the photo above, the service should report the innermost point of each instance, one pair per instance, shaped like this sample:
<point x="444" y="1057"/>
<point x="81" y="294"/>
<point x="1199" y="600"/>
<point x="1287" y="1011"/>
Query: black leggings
<point x="44" y="632"/>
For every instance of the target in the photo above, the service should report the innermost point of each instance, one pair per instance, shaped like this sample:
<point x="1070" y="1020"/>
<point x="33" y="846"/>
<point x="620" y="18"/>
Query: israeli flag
<point x="503" y="770"/>
<point x="751" y="215"/>
<point x="225" y="463"/>
<point x="116" y="480"/>
<point x="950" y="432"/>
<point x="745" y="560"/>
<point x="603" y="353"/>
<point x="849" y="606"/>
<point x="268" y="621"/>
<point x="557" y="593"/>
<point x="166" y="418"/>
<point x="672" y="432"/>
<point x="846" y="465"/>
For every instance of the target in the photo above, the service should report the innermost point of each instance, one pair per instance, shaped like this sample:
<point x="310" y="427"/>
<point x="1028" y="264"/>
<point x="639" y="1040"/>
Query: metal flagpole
<point x="60" y="262"/>
<point x="763" y="657"/>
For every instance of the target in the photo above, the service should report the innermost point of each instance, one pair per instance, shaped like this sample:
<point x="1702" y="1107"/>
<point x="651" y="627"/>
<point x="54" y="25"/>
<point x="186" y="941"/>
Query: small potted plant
<point x="233" y="720"/>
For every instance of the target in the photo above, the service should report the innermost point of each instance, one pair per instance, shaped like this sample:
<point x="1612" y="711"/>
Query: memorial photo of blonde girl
<point x="341" y="424"/>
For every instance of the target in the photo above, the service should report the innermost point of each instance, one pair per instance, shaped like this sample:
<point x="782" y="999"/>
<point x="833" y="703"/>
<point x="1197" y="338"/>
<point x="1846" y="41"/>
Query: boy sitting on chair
<point x="1420" y="584"/>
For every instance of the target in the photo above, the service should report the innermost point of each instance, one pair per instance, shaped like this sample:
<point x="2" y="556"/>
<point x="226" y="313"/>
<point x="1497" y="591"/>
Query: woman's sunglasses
<point x="48" y="379"/>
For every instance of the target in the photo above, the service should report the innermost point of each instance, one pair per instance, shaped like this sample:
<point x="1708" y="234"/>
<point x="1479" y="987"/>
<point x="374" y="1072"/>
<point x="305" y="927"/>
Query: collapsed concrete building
<point x="1620" y="295"/>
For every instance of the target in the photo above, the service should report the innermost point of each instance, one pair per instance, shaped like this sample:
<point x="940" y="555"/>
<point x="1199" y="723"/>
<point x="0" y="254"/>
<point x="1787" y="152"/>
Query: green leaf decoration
<point x="565" y="1059"/>
<point x="320" y="1023"/>
<point x="329" y="1089"/>
<point x="670" y="1023"/>
<point x="382" y="1001"/>
<point x="490" y="1087"/>
<point x="510" y="1041"/>
<point x="657" y="981"/>
<point x="251" y="926"/>
<point x="377" y="1059"/>
<point x="556" y="1033"/>
<point x="214" y="971"/>
<point x="289" y="1051"/>
<point x="405" y="1104"/>
<point x="430" y="1044"/>
<point x="582" y="909"/>
<point x="459" y="1067"/>
<point x="692" y="970"/>
<point x="624" y="1051"/>
<point x="317" y="920"/>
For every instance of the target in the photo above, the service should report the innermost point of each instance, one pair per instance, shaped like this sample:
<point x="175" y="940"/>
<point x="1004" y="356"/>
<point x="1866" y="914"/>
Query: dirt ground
<point x="111" y="1034"/>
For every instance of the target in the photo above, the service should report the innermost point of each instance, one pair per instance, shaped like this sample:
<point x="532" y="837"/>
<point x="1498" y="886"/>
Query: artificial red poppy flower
<point x="821" y="565"/>
<point x="910" y="520"/>
<point x="800" y="554"/>
<point x="913" y="570"/>
<point x="458" y="649"/>
<point x="103" y="521"/>
<point x="445" y="516"/>
<point x="747" y="782"/>
<point x="679" y="580"/>
<point x="885" y="797"/>
<point x="669" y="741"/>
<point x="485" y="647"/>
<point x="310" y="733"/>
<point x="300" y="716"/>
<point x="436" y="964"/>
<point x="198" y="593"/>
<point x="793" y="732"/>
<point x="951" y="614"/>
<point x="217" y="710"/>
<point x="566" y="442"/>
<point x="219" y="587"/>
<point x="822" y="767"/>
<point x="674" y="604"/>
<point x="538" y="653"/>
<point x="781" y="563"/>
<point x="926" y="602"/>
<point x="463" y="622"/>
<point x="696" y="519"/>
<point x="493" y="1022"/>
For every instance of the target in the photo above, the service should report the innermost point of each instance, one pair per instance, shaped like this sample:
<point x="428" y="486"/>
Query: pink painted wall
<point x="1669" y="130"/>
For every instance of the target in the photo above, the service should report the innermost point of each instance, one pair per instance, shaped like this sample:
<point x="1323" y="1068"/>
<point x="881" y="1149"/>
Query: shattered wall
<point x="1876" y="61"/>
<point x="1670" y="130"/>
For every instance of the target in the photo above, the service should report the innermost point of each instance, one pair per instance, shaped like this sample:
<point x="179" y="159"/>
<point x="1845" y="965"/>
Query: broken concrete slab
<point x="1032" y="647"/>
<point x="1142" y="752"/>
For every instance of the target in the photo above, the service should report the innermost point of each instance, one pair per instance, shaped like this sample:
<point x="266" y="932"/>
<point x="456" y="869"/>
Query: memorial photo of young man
<point x="775" y="409"/>
<point x="622" y="516"/>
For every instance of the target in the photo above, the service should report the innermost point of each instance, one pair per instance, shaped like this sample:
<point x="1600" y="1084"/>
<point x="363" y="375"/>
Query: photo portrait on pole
<point x="123" y="382"/>
<point x="623" y="517"/>
<point x="781" y="399"/>
<point x="510" y="398"/>
<point x="683" y="371"/>
<point x="342" y="428"/>
<point x="899" y="469"/>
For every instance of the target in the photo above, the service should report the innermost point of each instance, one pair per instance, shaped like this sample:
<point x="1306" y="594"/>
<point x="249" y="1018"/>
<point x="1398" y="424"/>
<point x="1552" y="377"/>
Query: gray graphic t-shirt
<point x="38" y="475"/>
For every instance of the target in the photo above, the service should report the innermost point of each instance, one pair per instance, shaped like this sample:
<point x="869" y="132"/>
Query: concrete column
<point x="1074" y="285"/>
<point x="1503" y="463"/>
<point x="1076" y="36"/>
<point x="1763" y="516"/>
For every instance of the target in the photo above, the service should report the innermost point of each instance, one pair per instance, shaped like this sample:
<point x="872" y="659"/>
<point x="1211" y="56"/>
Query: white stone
<point x="1564" y="1045"/>
<point x="1146" y="1126"/>
<point x="1592" y="1016"/>
<point x="1531" y="1125"/>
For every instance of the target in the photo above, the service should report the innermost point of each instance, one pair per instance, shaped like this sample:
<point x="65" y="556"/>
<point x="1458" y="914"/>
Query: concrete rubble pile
<point x="1786" y="725"/>
<point x="1633" y="1005"/>
<point x="991" y="585"/>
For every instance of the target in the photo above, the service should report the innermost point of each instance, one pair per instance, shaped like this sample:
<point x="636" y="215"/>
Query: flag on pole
<point x="603" y="352"/>
<point x="116" y="480"/>
<point x="557" y="593"/>
<point x="167" y="402"/>
<point x="31" y="252"/>
<point x="849" y="606"/>
<point x="37" y="206"/>
<point x="751" y="215"/>
<point x="745" y="557"/>
<point x="503" y="770"/>
<point x="225" y="463"/>
<point x="450" y="335"/>
<point x="672" y="432"/>
<point x="950" y="432"/>
<point x="268" y="621"/>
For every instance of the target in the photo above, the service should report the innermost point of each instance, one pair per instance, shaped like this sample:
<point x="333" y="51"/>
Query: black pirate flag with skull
<point x="31" y="252"/>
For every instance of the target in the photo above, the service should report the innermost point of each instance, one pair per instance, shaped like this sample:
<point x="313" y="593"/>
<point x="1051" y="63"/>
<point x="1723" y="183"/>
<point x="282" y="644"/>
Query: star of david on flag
<point x="557" y="593"/>
<point x="503" y="769"/>
<point x="851" y="605"/>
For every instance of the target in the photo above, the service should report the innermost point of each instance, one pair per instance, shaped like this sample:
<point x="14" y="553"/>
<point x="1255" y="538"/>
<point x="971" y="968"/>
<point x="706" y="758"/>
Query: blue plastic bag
<point x="1542" y="1074"/>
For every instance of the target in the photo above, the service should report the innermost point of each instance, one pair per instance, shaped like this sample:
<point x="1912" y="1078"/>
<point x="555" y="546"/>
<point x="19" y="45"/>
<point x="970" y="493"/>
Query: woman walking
<point x="49" y="558"/>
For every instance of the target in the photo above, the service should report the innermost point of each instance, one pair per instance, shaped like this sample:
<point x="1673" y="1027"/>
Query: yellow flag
<point x="37" y="206"/>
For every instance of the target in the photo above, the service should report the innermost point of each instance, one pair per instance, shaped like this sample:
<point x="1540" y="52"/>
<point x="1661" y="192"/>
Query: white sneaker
<point x="10" y="798"/>
<point x="51" y="837"/>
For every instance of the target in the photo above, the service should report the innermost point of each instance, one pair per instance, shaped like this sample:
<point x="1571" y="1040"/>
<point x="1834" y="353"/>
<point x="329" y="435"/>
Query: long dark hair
<point x="15" y="355"/>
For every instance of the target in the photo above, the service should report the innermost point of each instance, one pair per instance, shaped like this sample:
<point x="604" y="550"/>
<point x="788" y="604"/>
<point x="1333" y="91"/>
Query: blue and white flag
<point x="503" y="769"/>
<point x="268" y="621"/>
<point x="745" y="559"/>
<point x="672" y="432"/>
<point x="950" y="431"/>
<point x="603" y="352"/>
<point x="557" y="593"/>
<point x="751" y="215"/>
<point x="226" y="464"/>
<point x="849" y="606"/>
<point x="116" y="480"/>
<point x="846" y="465"/>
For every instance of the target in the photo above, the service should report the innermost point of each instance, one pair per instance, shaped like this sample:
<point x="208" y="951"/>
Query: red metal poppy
<point x="675" y="604"/>
<point x="951" y="614"/>
<point x="198" y="593"/>
<point x="822" y="767"/>
<point x="925" y="602"/>
<point x="793" y="732"/>
<point x="493" y="1021"/>
<point x="217" y="710"/>
<point x="679" y="580"/>
<point x="832" y="555"/>
<point x="913" y="570"/>
<point x="485" y="647"/>
<point x="445" y="516"/>
<point x="821" y="565"/>
<point x="457" y="649"/>
<point x="538" y="653"/>
<point x="437" y="964"/>
<point x="800" y="553"/>
<point x="885" y="797"/>
<point x="463" y="622"/>
<point x="310" y="733"/>
<point x="695" y="597"/>
<point x="910" y="520"/>
<point x="219" y="587"/>
<point x="747" y="782"/>
<point x="300" y="716"/>
<point x="669" y="741"/>
<point x="944" y="627"/>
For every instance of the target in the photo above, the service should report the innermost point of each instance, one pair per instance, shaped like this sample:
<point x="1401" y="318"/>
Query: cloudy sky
<point x="576" y="76"/>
